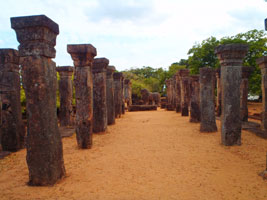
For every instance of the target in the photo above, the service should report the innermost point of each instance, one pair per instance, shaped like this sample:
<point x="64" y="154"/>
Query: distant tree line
<point x="202" y="55"/>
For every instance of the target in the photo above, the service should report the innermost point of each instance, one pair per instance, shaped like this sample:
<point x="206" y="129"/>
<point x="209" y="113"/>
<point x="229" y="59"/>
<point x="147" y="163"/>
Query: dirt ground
<point x="149" y="155"/>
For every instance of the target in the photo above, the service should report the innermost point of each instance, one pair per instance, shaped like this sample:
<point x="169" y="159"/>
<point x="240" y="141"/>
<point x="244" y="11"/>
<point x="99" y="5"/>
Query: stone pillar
<point x="83" y="56"/>
<point x="262" y="62"/>
<point x="207" y="106"/>
<point x="100" y="95"/>
<point x="244" y="93"/>
<point x="168" y="91"/>
<point x="37" y="38"/>
<point x="219" y="93"/>
<point x="66" y="114"/>
<point x="128" y="92"/>
<point x="12" y="130"/>
<point x="117" y="76"/>
<point x="194" y="99"/>
<point x="185" y="91"/>
<point x="231" y="58"/>
<point x="122" y="96"/>
<point x="178" y="92"/>
<point x="173" y="86"/>
<point x="110" y="95"/>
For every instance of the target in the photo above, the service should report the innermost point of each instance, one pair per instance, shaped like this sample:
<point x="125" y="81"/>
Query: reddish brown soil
<point x="149" y="155"/>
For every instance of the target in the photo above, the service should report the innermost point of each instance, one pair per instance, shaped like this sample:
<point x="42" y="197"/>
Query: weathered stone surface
<point x="100" y="95"/>
<point x="142" y="108"/>
<point x="145" y="96"/>
<point x="185" y="91"/>
<point x="156" y="98"/>
<point x="194" y="99"/>
<point x="169" y="105"/>
<point x="128" y="92"/>
<point x="122" y="96"/>
<point x="244" y="93"/>
<point x="12" y="131"/>
<point x="178" y="92"/>
<point x="37" y="38"/>
<point x="231" y="58"/>
<point x="173" y="88"/>
<point x="110" y="95"/>
<point x="66" y="114"/>
<point x="207" y="107"/>
<point x="117" y="77"/>
<point x="262" y="62"/>
<point x="82" y="56"/>
<point x="219" y="93"/>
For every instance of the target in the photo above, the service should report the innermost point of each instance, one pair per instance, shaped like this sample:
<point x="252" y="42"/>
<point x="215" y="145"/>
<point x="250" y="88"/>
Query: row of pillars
<point x="195" y="94"/>
<point x="100" y="95"/>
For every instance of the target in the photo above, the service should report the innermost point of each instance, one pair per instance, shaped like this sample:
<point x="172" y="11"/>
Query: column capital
<point x="118" y="76"/>
<point x="246" y="71"/>
<point x="127" y="82"/>
<point x="194" y="77"/>
<point x="231" y="54"/>
<point x="100" y="65"/>
<point x="262" y="62"/>
<point x="9" y="56"/>
<point x="183" y="72"/>
<point x="36" y="35"/>
<point x="82" y="54"/>
<point x="65" y="70"/>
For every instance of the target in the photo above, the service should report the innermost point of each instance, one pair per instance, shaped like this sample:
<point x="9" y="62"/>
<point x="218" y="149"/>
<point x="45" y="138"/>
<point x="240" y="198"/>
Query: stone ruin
<point x="194" y="99"/>
<point x="66" y="112"/>
<point x="110" y="95"/>
<point x="37" y="38"/>
<point x="127" y="92"/>
<point x="83" y="56"/>
<point x="100" y="95"/>
<point x="117" y="77"/>
<point x="12" y="131"/>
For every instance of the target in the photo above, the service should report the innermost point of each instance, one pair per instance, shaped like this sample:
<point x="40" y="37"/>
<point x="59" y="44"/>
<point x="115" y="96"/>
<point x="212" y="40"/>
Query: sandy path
<point x="149" y="155"/>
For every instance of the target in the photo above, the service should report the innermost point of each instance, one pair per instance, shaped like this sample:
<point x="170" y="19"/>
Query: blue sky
<point x="136" y="33"/>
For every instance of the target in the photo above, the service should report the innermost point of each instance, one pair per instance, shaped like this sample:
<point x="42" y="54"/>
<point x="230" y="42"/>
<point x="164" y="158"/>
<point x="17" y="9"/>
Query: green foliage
<point x="201" y="55"/>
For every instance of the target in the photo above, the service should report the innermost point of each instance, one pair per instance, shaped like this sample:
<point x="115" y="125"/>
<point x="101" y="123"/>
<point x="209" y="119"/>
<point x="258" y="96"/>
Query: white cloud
<point x="137" y="33"/>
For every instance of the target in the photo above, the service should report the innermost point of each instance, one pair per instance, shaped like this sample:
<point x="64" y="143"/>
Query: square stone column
<point x="12" y="131"/>
<point x="231" y="58"/>
<point x="122" y="96"/>
<point x="185" y="91"/>
<point x="244" y="93"/>
<point x="178" y="92"/>
<point x="37" y="38"/>
<point x="262" y="62"/>
<point x="100" y="118"/>
<point x="194" y="99"/>
<point x="110" y="95"/>
<point x="66" y="114"/>
<point x="168" y="91"/>
<point x="128" y="92"/>
<point x="117" y="76"/>
<point x="207" y="104"/>
<point x="173" y="86"/>
<point x="219" y="92"/>
<point x="83" y="56"/>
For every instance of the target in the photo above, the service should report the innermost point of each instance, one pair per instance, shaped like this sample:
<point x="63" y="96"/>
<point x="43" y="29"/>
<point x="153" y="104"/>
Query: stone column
<point x="244" y="93"/>
<point x="117" y="76"/>
<point x="207" y="106"/>
<point x="83" y="56"/>
<point x="100" y="95"/>
<point x="185" y="91"/>
<point x="194" y="99"/>
<point x="168" y="91"/>
<point x="12" y="130"/>
<point x="110" y="95"/>
<point x="231" y="58"/>
<point x="37" y="38"/>
<point x="128" y="92"/>
<point x="66" y="115"/>
<point x="262" y="62"/>
<point x="122" y="96"/>
<point x="173" y="86"/>
<point x="219" y="93"/>
<point x="178" y="92"/>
